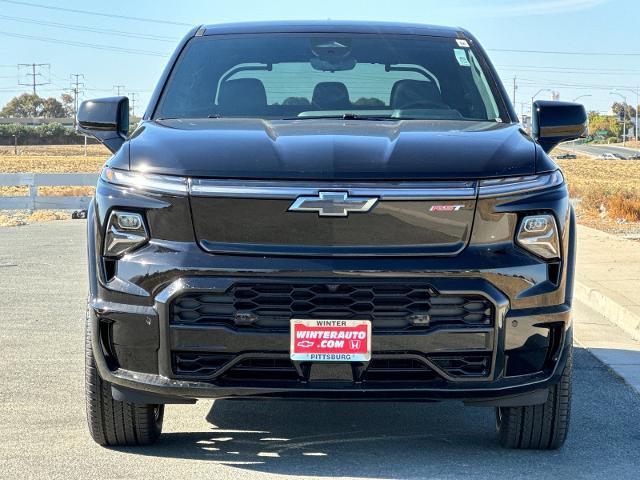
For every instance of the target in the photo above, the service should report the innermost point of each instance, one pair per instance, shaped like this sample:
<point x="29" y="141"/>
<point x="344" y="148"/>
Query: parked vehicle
<point x="610" y="156"/>
<point x="566" y="156"/>
<point x="330" y="210"/>
<point x="634" y="156"/>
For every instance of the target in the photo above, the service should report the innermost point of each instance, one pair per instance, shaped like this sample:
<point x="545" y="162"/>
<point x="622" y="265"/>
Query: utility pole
<point x="33" y="83"/>
<point x="637" y="92"/>
<point x="637" y="106"/>
<point x="624" y="116"/>
<point x="132" y="110"/>
<point x="117" y="88"/>
<point x="75" y="88"/>
<point x="515" y="87"/>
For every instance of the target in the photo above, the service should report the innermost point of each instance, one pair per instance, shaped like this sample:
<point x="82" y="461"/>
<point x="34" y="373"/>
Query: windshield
<point x="293" y="76"/>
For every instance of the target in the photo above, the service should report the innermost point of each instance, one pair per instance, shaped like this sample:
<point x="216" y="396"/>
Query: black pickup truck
<point x="330" y="211"/>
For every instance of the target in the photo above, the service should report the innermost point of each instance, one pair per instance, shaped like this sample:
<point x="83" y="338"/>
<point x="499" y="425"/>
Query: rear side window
<point x="297" y="75"/>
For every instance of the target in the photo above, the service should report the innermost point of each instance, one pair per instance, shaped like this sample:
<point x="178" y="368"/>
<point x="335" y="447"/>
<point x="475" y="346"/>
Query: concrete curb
<point x="610" y="309"/>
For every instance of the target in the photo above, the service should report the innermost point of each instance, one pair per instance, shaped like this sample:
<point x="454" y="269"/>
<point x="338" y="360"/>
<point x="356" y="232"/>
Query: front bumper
<point x="135" y="348"/>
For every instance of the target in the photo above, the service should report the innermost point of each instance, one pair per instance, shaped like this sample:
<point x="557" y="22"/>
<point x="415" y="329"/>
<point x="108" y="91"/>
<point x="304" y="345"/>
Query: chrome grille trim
<point x="292" y="190"/>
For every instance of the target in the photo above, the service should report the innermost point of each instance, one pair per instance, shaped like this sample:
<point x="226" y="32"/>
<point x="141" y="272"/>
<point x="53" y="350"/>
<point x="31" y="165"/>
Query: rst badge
<point x="446" y="208"/>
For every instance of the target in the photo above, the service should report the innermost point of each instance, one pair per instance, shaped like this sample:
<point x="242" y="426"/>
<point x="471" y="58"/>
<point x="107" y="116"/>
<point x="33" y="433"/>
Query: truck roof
<point x="329" y="26"/>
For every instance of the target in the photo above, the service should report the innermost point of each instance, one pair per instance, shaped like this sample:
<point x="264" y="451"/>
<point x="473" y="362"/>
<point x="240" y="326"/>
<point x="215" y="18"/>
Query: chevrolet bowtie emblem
<point x="333" y="204"/>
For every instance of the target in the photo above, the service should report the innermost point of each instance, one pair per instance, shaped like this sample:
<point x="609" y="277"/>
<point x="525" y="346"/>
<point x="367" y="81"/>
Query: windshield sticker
<point x="462" y="43"/>
<point x="461" y="56"/>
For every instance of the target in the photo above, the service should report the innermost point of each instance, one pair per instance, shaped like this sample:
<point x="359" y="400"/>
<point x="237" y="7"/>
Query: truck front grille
<point x="390" y="306"/>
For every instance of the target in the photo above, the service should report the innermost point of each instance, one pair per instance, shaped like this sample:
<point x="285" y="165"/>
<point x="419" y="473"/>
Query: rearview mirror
<point x="555" y="122"/>
<point x="105" y="119"/>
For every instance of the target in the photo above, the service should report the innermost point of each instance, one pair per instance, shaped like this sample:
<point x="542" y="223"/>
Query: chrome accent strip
<point x="293" y="190"/>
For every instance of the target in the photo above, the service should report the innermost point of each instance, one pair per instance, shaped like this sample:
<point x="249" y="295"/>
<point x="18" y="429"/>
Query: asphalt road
<point x="43" y="432"/>
<point x="597" y="150"/>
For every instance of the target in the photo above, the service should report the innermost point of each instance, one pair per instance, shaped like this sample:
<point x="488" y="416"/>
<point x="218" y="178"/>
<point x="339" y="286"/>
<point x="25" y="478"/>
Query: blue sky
<point x="611" y="27"/>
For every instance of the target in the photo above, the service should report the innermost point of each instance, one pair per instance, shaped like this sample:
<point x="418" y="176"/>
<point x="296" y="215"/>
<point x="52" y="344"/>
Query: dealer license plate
<point x="331" y="340"/>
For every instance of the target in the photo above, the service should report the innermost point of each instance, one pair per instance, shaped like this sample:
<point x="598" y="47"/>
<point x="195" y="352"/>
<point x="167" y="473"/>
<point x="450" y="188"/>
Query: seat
<point x="416" y="94"/>
<point x="331" y="96"/>
<point x="242" y="97"/>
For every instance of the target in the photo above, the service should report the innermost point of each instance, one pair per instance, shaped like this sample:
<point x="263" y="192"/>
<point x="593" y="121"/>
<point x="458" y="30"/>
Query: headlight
<point x="125" y="232"/>
<point x="146" y="181"/>
<point x="539" y="235"/>
<point x="495" y="187"/>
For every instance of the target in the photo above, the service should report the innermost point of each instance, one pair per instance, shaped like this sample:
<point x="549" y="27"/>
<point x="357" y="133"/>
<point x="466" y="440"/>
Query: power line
<point x="118" y="88"/>
<point x="84" y="45"/>
<point x="97" y="14"/>
<point x="565" y="72"/>
<point x="571" y="69"/>
<point x="34" y="75"/>
<point x="556" y="52"/>
<point x="79" y="28"/>
<point x="537" y="81"/>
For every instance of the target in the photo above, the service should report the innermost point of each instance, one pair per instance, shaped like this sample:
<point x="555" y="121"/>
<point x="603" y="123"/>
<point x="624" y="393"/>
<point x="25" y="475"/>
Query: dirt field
<point x="609" y="175"/>
<point x="609" y="190"/>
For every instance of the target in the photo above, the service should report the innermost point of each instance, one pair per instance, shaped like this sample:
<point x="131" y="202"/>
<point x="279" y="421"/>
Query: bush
<point x="45" y="134"/>
<point x="624" y="205"/>
<point x="614" y="203"/>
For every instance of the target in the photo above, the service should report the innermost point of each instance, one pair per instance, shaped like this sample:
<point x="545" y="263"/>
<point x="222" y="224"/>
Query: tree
<point x="68" y="104"/>
<point x="604" y="123"/>
<point x="31" y="105"/>
<point x="619" y="107"/>
<point x="369" y="102"/>
<point x="296" y="101"/>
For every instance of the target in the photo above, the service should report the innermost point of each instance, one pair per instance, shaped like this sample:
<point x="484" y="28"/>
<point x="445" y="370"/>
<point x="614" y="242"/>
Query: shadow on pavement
<point x="411" y="440"/>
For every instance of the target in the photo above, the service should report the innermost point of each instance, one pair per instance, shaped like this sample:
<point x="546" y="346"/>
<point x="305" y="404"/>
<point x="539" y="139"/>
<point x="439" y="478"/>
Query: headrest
<point x="331" y="96"/>
<point x="243" y="96"/>
<point x="408" y="92"/>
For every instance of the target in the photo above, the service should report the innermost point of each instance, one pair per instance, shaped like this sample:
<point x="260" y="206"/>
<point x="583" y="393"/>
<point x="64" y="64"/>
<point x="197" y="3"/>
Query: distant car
<point x="610" y="156"/>
<point x="566" y="156"/>
<point x="635" y="156"/>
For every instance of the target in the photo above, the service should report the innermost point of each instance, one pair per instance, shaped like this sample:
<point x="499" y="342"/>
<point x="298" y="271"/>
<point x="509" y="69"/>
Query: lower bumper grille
<point x="464" y="366"/>
<point x="389" y="305"/>
<point x="405" y="368"/>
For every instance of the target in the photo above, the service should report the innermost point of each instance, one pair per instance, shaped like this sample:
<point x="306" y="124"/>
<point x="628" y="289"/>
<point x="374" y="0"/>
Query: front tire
<point x="112" y="422"/>
<point x="539" y="427"/>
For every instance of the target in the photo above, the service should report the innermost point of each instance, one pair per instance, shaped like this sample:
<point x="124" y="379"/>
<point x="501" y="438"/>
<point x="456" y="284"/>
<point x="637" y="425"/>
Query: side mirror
<point x="555" y="122"/>
<point x="105" y="119"/>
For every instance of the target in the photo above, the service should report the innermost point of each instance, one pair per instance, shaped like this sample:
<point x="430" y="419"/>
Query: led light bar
<point x="496" y="187"/>
<point x="146" y="181"/>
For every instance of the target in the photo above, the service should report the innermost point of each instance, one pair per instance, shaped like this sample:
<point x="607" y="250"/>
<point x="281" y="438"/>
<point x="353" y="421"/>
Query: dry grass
<point x="52" y="159"/>
<point x="51" y="163"/>
<point x="66" y="191"/>
<point x="608" y="189"/>
<point x="23" y="218"/>
<point x="54" y="150"/>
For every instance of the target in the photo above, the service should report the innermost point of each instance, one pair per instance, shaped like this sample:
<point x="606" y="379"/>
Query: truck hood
<point x="327" y="149"/>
